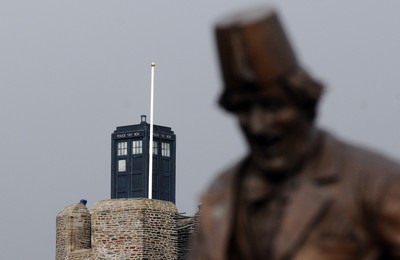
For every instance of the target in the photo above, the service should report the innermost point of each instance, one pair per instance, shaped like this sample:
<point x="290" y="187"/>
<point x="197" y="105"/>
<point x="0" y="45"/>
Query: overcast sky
<point x="71" y="71"/>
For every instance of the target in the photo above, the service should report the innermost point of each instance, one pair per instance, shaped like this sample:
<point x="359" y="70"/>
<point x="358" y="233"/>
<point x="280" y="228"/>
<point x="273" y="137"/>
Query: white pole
<point x="151" y="133"/>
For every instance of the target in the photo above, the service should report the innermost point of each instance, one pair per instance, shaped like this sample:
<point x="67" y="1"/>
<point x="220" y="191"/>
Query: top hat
<point x="253" y="48"/>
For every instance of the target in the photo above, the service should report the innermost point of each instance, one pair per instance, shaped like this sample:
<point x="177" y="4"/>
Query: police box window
<point x="122" y="148"/>
<point x="165" y="149"/>
<point x="155" y="147"/>
<point x="121" y="165"/>
<point x="137" y="147"/>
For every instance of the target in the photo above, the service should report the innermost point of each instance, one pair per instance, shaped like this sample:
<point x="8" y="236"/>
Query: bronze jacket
<point x="345" y="205"/>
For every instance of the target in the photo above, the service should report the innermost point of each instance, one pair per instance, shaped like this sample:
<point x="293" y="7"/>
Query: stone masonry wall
<point x="186" y="228"/>
<point x="134" y="229"/>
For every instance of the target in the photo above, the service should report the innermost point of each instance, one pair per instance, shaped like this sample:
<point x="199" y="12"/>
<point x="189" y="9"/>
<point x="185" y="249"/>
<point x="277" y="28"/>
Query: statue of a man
<point x="300" y="193"/>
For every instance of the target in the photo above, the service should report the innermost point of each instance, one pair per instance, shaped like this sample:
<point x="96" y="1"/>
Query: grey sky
<point x="71" y="71"/>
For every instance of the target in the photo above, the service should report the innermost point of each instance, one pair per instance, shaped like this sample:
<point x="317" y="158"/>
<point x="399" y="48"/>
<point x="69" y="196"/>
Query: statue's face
<point x="278" y="132"/>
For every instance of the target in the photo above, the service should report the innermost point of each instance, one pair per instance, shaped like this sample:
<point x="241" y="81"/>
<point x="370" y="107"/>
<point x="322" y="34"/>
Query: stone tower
<point x="130" y="226"/>
<point x="118" y="229"/>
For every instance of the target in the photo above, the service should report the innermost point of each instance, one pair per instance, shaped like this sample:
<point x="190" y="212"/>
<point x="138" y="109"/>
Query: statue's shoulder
<point x="363" y="159"/>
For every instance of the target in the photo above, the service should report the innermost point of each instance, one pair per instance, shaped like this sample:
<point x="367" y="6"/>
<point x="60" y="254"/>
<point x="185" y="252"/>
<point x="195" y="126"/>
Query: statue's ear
<point x="303" y="86"/>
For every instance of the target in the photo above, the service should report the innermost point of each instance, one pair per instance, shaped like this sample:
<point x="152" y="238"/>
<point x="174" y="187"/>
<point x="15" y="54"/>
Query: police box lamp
<point x="255" y="53"/>
<point x="143" y="118"/>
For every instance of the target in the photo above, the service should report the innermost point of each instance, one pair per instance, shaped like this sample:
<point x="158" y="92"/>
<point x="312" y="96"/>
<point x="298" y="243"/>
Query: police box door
<point x="129" y="173"/>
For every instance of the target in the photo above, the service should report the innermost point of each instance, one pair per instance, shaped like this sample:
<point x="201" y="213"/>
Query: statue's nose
<point x="260" y="119"/>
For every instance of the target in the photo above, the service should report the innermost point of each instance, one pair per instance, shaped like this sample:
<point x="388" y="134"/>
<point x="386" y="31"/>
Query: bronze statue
<point x="300" y="193"/>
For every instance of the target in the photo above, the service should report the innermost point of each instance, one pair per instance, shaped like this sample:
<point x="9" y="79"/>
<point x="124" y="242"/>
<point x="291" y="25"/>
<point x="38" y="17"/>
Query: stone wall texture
<point x="134" y="229"/>
<point x="123" y="229"/>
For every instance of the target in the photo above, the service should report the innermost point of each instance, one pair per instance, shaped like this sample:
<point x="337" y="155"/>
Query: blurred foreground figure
<point x="300" y="193"/>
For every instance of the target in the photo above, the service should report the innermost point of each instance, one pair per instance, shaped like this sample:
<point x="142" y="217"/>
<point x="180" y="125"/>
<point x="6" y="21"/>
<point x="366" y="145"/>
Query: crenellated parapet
<point x="73" y="235"/>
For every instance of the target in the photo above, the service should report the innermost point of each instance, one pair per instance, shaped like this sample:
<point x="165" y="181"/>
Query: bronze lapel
<point x="305" y="208"/>
<point x="311" y="200"/>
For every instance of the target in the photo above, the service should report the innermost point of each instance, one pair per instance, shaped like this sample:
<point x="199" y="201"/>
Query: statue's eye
<point x="242" y="107"/>
<point x="273" y="105"/>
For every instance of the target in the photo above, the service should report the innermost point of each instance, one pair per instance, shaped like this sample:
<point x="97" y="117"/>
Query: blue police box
<point x="130" y="161"/>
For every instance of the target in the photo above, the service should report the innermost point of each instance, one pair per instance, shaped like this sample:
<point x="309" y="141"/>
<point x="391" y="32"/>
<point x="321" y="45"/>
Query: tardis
<point x="130" y="162"/>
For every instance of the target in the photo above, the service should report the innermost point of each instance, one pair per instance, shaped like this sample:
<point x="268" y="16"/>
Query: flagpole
<point x="151" y="132"/>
